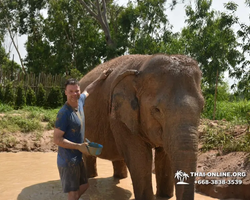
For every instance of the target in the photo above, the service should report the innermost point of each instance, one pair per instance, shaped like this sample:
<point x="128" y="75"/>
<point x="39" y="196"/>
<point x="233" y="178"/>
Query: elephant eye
<point x="155" y="110"/>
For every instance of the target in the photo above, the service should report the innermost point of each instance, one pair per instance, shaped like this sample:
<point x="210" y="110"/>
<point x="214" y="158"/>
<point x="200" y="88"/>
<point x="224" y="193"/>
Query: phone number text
<point x="218" y="182"/>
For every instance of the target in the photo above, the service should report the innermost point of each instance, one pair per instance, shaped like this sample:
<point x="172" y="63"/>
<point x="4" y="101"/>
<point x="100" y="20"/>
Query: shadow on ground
<point x="100" y="189"/>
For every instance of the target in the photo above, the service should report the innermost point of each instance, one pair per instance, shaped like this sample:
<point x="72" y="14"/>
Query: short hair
<point x="71" y="81"/>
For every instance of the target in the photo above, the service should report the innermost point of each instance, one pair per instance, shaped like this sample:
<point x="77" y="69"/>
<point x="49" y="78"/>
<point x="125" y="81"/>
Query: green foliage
<point x="208" y="108"/>
<point x="1" y="94"/>
<point x="243" y="73"/>
<point x="210" y="39"/>
<point x="9" y="96"/>
<point x="27" y="119"/>
<point x="61" y="41"/>
<point x="30" y="97"/>
<point x="55" y="98"/>
<point x="48" y="115"/>
<point x="9" y="141"/>
<point x="58" y="43"/>
<point x="214" y="139"/>
<point x="41" y="96"/>
<point x="142" y="26"/>
<point x="19" y="123"/>
<point x="223" y="93"/>
<point x="5" y="108"/>
<point x="20" y="97"/>
<point x="231" y="111"/>
<point x="74" y="73"/>
<point x="7" y="66"/>
<point x="242" y="144"/>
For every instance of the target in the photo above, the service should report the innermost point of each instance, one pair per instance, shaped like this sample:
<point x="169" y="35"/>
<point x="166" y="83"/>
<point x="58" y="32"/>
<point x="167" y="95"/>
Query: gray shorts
<point x="72" y="177"/>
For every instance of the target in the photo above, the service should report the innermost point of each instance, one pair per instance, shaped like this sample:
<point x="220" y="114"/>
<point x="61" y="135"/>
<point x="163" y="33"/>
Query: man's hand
<point x="83" y="148"/>
<point x="90" y="88"/>
<point x="105" y="73"/>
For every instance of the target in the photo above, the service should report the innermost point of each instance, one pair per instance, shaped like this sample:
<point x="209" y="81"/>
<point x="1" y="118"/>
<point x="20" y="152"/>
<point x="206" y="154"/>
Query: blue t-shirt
<point x="68" y="121"/>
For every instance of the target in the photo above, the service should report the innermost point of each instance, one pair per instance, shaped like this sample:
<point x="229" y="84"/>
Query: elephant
<point x="147" y="102"/>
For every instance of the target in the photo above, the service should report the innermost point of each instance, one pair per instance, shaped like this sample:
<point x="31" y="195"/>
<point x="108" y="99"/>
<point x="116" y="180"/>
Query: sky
<point x="176" y="18"/>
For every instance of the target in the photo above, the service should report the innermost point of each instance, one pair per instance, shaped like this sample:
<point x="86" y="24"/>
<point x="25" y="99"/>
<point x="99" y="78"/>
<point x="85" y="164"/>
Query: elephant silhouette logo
<point x="181" y="176"/>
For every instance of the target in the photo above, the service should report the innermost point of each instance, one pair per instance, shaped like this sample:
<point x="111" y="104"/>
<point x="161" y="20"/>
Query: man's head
<point x="72" y="90"/>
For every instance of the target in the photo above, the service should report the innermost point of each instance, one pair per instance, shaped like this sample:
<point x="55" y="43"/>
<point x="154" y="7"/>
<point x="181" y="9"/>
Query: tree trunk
<point x="19" y="55"/>
<point x="215" y="94"/>
<point x="101" y="17"/>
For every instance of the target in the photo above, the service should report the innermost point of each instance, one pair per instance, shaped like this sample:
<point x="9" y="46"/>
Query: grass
<point x="25" y="122"/>
<point x="225" y="142"/>
<point x="5" y="108"/>
<point x="214" y="139"/>
<point x="231" y="111"/>
<point x="225" y="138"/>
<point x="8" y="141"/>
<point x="29" y="119"/>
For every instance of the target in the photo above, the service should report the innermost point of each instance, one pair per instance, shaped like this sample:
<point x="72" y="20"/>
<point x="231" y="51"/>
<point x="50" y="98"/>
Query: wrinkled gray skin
<point x="131" y="113"/>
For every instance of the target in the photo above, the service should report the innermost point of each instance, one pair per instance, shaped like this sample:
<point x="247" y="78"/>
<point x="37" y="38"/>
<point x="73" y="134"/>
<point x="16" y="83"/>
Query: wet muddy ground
<point x="34" y="176"/>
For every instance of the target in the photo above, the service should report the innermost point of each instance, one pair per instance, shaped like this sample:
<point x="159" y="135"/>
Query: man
<point x="69" y="136"/>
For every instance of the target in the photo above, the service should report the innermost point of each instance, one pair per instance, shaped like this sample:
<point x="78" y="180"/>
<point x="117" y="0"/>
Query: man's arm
<point x="62" y="142"/>
<point x="91" y="87"/>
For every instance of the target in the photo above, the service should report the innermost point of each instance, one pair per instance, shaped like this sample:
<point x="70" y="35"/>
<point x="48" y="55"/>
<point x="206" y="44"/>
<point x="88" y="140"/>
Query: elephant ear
<point x="124" y="103"/>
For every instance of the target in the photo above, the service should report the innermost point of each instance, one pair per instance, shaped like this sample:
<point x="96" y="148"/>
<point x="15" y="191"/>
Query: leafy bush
<point x="41" y="96"/>
<point x="223" y="93"/>
<point x="215" y="139"/>
<point x="230" y="111"/>
<point x="74" y="73"/>
<point x="55" y="98"/>
<point x="5" y="108"/>
<point x="208" y="108"/>
<point x="30" y="97"/>
<point x="50" y="117"/>
<point x="9" y="141"/>
<point x="1" y="94"/>
<point x="64" y="96"/>
<point x="20" y="98"/>
<point x="9" y="96"/>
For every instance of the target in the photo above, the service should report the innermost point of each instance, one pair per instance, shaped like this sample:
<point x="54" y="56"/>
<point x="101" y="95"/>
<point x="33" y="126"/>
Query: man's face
<point x="72" y="92"/>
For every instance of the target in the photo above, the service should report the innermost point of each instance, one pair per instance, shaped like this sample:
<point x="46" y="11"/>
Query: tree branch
<point x="89" y="10"/>
<point x="104" y="14"/>
<point x="12" y="39"/>
<point x="101" y="18"/>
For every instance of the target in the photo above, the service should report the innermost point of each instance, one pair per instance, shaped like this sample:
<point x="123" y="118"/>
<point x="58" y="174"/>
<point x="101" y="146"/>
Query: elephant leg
<point x="138" y="158"/>
<point x="164" y="174"/>
<point x="90" y="164"/>
<point x="120" y="169"/>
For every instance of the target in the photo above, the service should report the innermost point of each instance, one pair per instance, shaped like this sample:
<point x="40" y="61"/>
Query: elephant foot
<point x="120" y="169"/>
<point x="165" y="195"/>
<point x="91" y="175"/>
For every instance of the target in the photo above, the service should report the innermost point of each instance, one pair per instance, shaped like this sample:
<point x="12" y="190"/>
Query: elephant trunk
<point x="184" y="150"/>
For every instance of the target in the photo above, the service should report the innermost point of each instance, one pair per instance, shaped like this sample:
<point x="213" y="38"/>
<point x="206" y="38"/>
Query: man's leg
<point x="74" y="180"/>
<point x="84" y="185"/>
<point x="73" y="195"/>
<point x="82" y="189"/>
